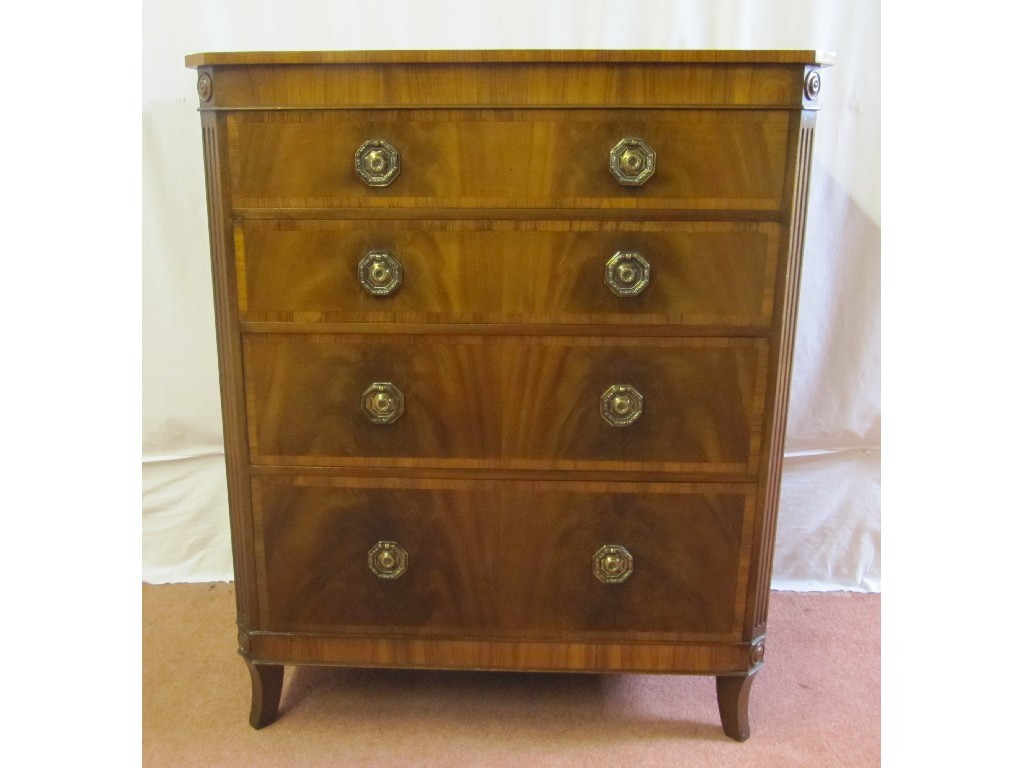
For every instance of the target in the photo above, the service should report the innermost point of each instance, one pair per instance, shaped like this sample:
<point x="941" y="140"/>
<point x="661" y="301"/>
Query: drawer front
<point x="507" y="402"/>
<point x="710" y="274"/>
<point x="704" y="159"/>
<point x="511" y="558"/>
<point x="317" y="538"/>
<point x="684" y="550"/>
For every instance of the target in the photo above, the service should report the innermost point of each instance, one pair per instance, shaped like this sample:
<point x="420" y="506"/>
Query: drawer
<point x="505" y="402"/>
<point x="710" y="274"/>
<point x="317" y="535"/>
<point x="511" y="558"/>
<point x="539" y="158"/>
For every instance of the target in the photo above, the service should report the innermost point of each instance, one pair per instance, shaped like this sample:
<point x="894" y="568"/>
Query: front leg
<point x="266" y="692"/>
<point x="733" y="696"/>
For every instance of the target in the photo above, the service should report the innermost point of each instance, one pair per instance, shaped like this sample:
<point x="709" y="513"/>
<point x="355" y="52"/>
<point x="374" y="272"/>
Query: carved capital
<point x="204" y="86"/>
<point x="757" y="652"/>
<point x="244" y="645"/>
<point x="812" y="87"/>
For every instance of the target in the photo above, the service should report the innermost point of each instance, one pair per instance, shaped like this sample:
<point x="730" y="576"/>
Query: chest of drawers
<point x="505" y="340"/>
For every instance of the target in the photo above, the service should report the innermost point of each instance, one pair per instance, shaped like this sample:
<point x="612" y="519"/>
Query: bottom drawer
<point x="501" y="558"/>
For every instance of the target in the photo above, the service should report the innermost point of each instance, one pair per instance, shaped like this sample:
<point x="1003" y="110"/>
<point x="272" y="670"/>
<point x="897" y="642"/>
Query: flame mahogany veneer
<point x="505" y="341"/>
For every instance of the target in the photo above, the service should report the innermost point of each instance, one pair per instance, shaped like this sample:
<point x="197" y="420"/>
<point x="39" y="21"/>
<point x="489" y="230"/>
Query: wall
<point x="829" y="520"/>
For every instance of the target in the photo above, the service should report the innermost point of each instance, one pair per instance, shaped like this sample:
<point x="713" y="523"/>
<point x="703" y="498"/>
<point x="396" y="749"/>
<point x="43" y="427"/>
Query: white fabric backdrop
<point x="829" y="521"/>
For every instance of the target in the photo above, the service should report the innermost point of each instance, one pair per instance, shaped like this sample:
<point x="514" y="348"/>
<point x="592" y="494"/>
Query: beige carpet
<point x="816" y="702"/>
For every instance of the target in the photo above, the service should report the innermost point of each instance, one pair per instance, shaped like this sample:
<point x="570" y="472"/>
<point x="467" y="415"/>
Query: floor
<point x="815" y="703"/>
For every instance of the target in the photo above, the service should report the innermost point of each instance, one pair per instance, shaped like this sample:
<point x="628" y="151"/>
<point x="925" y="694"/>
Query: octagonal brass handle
<point x="380" y="273"/>
<point x="627" y="273"/>
<point x="621" y="405"/>
<point x="632" y="161"/>
<point x="383" y="402"/>
<point x="377" y="162"/>
<point x="388" y="560"/>
<point x="612" y="564"/>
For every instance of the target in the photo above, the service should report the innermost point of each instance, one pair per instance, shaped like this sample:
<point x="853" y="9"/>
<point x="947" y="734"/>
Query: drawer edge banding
<point x="688" y="494"/>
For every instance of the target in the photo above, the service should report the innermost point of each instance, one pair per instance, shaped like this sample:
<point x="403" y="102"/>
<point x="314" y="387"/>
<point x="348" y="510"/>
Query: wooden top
<point x="823" y="58"/>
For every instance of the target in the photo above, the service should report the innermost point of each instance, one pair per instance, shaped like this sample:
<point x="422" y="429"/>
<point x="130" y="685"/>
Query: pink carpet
<point x="816" y="702"/>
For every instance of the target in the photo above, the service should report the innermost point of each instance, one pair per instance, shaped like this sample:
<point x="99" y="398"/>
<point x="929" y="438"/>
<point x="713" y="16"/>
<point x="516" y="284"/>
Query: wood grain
<point x="567" y="655"/>
<point x="229" y="358"/>
<point x="782" y="342"/>
<point x="706" y="159"/>
<point x="267" y="680"/>
<point x="501" y="478"/>
<point x="251" y="59"/>
<point x="510" y="559"/>
<point x="703" y="274"/>
<point x="733" y="698"/>
<point x="452" y="578"/>
<point x="524" y="83"/>
<point x="506" y="402"/>
<point x="686" y="562"/>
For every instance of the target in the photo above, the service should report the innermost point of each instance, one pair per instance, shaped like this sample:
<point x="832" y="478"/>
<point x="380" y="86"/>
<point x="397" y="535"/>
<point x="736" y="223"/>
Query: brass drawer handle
<point x="621" y="405"/>
<point x="380" y="273"/>
<point x="388" y="560"/>
<point x="377" y="162"/>
<point x="627" y="273"/>
<point x="632" y="161"/>
<point x="613" y="564"/>
<point x="383" y="402"/>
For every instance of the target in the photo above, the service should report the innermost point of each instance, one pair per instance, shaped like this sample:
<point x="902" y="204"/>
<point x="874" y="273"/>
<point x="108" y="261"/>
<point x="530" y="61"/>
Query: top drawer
<point x="538" y="158"/>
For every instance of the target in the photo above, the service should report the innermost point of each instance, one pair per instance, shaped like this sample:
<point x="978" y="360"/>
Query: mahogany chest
<point x="505" y="341"/>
